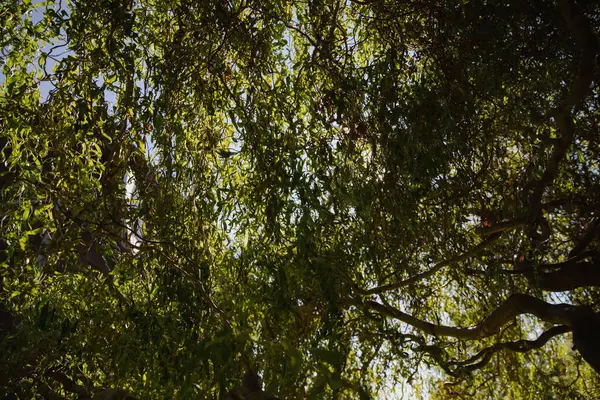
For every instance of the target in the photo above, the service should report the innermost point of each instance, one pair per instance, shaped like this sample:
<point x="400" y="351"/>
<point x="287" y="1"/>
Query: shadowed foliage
<point x="249" y="199"/>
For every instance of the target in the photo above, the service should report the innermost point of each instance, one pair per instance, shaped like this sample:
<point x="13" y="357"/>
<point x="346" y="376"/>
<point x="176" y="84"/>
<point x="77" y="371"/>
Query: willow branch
<point x="519" y="346"/>
<point x="515" y="305"/>
<point x="424" y="275"/>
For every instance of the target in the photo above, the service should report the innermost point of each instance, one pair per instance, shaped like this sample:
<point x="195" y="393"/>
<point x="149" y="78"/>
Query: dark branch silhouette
<point x="583" y="321"/>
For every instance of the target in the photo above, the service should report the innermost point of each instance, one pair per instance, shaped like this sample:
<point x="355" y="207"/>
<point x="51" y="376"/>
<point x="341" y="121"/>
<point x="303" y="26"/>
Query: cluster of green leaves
<point x="192" y="189"/>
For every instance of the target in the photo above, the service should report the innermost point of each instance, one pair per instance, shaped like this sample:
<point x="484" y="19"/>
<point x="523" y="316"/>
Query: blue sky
<point x="36" y="14"/>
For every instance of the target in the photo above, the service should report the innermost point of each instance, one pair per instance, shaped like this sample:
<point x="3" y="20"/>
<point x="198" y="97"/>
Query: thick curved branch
<point x="572" y="260"/>
<point x="424" y="275"/>
<point x="519" y="346"/>
<point x="583" y="321"/>
<point x="515" y="305"/>
<point x="427" y="327"/>
<point x="576" y="275"/>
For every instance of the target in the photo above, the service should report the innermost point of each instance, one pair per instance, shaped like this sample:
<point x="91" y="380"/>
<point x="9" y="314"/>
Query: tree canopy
<point x="251" y="199"/>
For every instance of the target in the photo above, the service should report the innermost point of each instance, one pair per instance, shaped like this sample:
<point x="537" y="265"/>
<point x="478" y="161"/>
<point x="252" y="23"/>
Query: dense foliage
<point x="353" y="199"/>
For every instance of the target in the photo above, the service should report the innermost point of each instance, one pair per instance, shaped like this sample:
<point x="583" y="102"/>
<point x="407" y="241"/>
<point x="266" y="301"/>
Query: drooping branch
<point x="424" y="275"/>
<point x="515" y="305"/>
<point x="481" y="359"/>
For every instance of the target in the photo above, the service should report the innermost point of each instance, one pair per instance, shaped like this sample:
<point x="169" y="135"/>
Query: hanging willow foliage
<point x="253" y="199"/>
